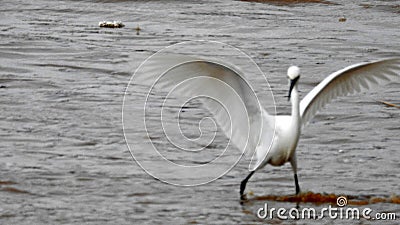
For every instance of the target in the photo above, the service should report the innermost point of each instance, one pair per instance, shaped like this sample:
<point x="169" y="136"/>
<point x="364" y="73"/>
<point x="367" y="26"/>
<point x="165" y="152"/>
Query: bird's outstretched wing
<point x="221" y="88"/>
<point x="352" y="79"/>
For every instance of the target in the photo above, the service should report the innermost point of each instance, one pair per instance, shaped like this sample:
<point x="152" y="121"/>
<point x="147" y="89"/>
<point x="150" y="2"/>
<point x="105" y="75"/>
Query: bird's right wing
<point x="222" y="89"/>
<point x="352" y="79"/>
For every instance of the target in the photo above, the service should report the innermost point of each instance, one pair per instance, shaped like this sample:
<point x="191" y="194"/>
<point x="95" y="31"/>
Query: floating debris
<point x="366" y="6"/>
<point x="6" y="182"/>
<point x="111" y="24"/>
<point x="389" y="104"/>
<point x="14" y="190"/>
<point x="342" y="19"/>
<point x="138" y="29"/>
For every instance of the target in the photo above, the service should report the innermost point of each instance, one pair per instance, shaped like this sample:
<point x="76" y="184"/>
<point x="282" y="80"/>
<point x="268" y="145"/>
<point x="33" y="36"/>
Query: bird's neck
<point x="295" y="100"/>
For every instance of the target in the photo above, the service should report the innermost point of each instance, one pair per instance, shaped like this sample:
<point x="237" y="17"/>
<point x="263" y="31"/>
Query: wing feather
<point x="350" y="80"/>
<point x="241" y="127"/>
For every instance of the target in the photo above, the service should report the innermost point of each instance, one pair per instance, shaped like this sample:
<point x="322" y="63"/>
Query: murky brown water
<point x="63" y="158"/>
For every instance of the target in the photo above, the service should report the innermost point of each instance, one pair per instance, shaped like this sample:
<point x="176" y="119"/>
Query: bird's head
<point x="294" y="75"/>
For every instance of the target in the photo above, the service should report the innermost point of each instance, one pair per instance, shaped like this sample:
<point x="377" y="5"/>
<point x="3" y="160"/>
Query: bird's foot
<point x="243" y="199"/>
<point x="299" y="198"/>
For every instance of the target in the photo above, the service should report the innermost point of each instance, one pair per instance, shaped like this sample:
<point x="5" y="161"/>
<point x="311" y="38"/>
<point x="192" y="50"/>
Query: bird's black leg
<point x="294" y="167"/>
<point x="243" y="185"/>
<point x="296" y="181"/>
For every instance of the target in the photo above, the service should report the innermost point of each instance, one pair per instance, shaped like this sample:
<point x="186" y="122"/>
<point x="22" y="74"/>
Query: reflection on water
<point x="63" y="158"/>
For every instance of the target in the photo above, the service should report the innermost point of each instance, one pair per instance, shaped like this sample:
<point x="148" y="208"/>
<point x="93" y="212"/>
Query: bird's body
<point x="279" y="135"/>
<point x="287" y="133"/>
<point x="284" y="144"/>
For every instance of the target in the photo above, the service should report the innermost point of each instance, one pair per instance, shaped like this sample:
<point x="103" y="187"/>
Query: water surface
<point x="63" y="158"/>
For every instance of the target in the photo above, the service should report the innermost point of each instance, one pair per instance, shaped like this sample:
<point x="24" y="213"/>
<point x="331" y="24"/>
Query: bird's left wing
<point x="223" y="91"/>
<point x="352" y="79"/>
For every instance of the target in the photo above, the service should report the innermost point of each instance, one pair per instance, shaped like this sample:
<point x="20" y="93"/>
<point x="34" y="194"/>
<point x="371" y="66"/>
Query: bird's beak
<point x="292" y="83"/>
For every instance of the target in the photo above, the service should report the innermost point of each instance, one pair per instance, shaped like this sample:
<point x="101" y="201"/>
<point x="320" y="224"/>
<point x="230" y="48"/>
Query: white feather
<point x="247" y="117"/>
<point x="350" y="80"/>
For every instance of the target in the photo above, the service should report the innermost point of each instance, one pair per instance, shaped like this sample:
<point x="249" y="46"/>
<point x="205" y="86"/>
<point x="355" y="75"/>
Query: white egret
<point x="352" y="79"/>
